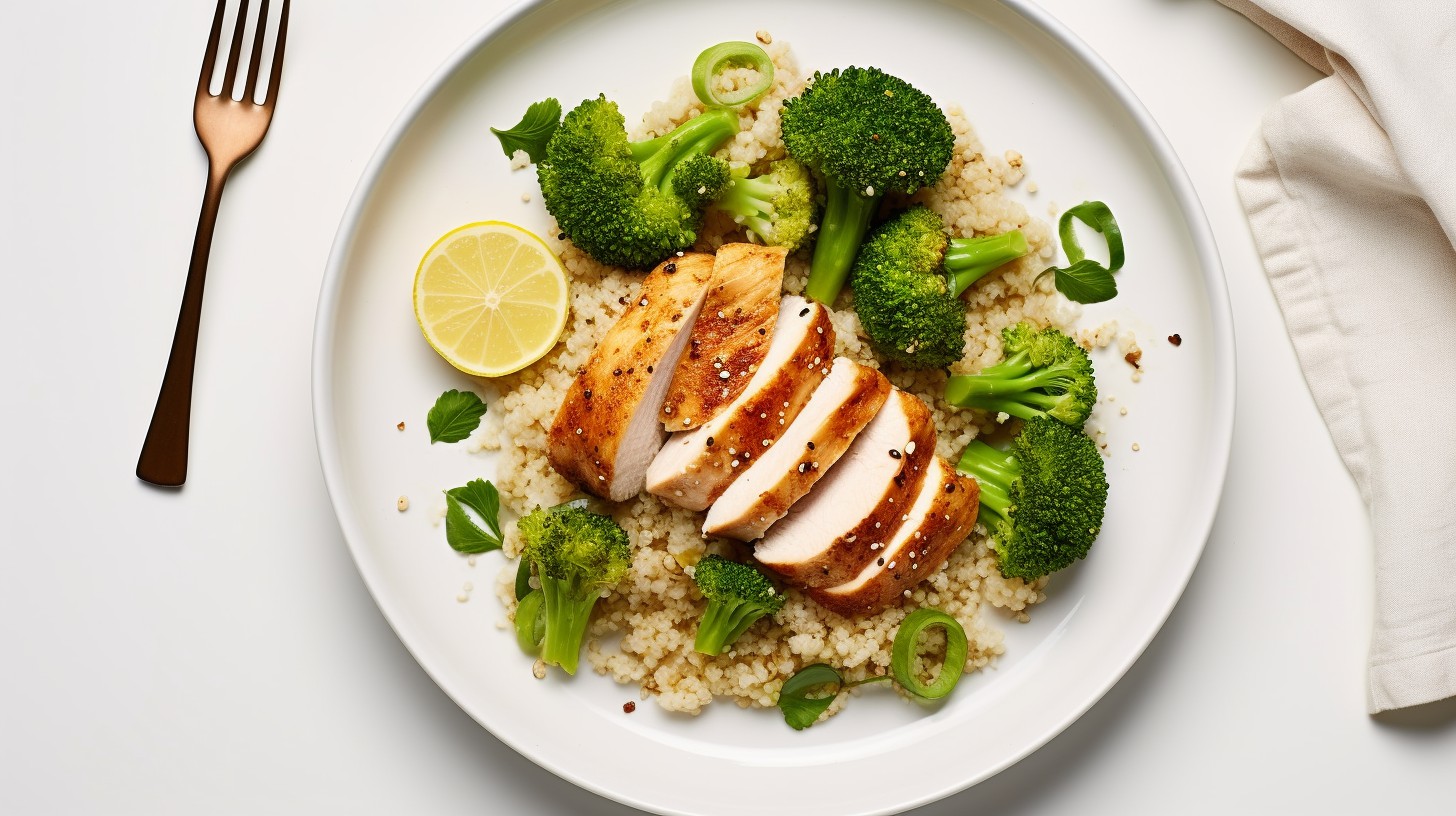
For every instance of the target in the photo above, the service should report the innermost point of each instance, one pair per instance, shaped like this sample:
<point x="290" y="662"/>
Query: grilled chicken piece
<point x="841" y="407"/>
<point x="839" y="528"/>
<point x="732" y="334"/>
<point x="940" y="518"/>
<point x="606" y="431"/>
<point x="696" y="466"/>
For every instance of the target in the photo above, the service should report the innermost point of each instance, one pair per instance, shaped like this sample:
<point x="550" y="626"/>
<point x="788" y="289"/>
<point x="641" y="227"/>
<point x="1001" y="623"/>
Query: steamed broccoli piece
<point x="1043" y="374"/>
<point x="577" y="554"/>
<point x="632" y="203"/>
<point x="1043" y="500"/>
<point x="737" y="596"/>
<point x="777" y="207"/>
<point x="866" y="133"/>
<point x="903" y="302"/>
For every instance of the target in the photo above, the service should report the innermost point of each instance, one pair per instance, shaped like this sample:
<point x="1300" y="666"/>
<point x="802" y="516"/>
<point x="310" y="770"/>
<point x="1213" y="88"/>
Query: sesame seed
<point x="1136" y="446"/>
<point x="763" y="415"/>
<point x="734" y="463"/>
<point x="904" y="516"/>
<point x="892" y="565"/>
<point x="732" y="451"/>
<point x="850" y="540"/>
<point x="723" y="374"/>
<point x="766" y="443"/>
<point x="910" y="446"/>
<point x="720" y="314"/>
<point x="578" y="432"/>
<point x="819" y="329"/>
<point x="877" y="525"/>
<point x="601" y="478"/>
<point x="687" y="421"/>
<point x="642" y="302"/>
<point x="801" y="467"/>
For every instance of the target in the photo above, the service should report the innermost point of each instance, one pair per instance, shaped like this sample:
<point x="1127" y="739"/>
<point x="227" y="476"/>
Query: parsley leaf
<point x="533" y="131"/>
<point x="1084" y="280"/>
<point x="801" y="710"/>
<point x="461" y="531"/>
<point x="455" y="416"/>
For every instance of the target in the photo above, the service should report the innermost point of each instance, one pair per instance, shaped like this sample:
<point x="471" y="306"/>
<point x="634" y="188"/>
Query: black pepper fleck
<point x="879" y="562"/>
<point x="950" y="487"/>
<point x="621" y="301"/>
<point x="629" y="707"/>
<point x="710" y="441"/>
<point x="670" y="268"/>
<point x="649" y="368"/>
<point x="763" y="331"/>
<point x="894" y="454"/>
<point x="1175" y="339"/>
<point x="803" y="311"/>
<point x="811" y="446"/>
<point x="587" y="393"/>
<point x="616" y="372"/>
<point x="561" y="236"/>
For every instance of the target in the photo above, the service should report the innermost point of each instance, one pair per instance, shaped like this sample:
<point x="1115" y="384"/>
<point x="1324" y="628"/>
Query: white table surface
<point x="214" y="650"/>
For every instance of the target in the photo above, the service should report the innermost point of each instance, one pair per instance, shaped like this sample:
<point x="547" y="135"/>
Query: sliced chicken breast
<point x="732" y="335"/>
<point x="939" y="519"/>
<point x="837" y="530"/>
<point x="840" y="408"/>
<point x="606" y="431"/>
<point x="696" y="466"/>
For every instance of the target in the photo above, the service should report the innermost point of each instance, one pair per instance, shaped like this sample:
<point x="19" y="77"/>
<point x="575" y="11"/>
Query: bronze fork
<point x="229" y="130"/>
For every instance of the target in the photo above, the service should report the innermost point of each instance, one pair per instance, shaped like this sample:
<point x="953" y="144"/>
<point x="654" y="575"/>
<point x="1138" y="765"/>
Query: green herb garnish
<point x="533" y="131"/>
<point x="902" y="652"/>
<point x="456" y="415"/>
<point x="461" y="531"/>
<point x="1084" y="280"/>
<point x="801" y="710"/>
<point x="809" y="693"/>
<point x="523" y="578"/>
<point x="531" y="621"/>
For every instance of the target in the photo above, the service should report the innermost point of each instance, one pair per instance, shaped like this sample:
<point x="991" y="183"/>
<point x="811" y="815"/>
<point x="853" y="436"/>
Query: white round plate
<point x="1028" y="85"/>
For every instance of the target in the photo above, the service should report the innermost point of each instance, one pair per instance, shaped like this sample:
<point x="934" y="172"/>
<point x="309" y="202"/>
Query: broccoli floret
<point x="1043" y="500"/>
<point x="577" y="554"/>
<point x="621" y="201"/>
<point x="866" y="133"/>
<point x="777" y="207"/>
<point x="737" y="596"/>
<point x="904" y="305"/>
<point x="1042" y="373"/>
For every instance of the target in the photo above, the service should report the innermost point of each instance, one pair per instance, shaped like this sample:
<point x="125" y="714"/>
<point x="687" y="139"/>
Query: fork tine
<point x="234" y="52"/>
<point x="275" y="74"/>
<point x="251" y="86"/>
<point x="209" y="60"/>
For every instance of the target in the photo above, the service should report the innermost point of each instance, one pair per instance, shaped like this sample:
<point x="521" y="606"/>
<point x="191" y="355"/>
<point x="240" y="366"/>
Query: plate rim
<point x="1222" y="361"/>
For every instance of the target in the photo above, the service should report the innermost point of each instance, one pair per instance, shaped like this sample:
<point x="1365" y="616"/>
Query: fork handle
<point x="163" y="460"/>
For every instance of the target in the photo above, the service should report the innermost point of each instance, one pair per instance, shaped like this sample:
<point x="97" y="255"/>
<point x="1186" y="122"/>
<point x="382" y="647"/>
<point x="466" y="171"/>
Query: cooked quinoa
<point x="643" y="630"/>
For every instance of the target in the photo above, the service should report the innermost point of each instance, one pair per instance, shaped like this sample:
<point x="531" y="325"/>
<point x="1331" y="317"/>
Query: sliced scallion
<point x="902" y="653"/>
<point x="731" y="55"/>
<point x="1083" y="279"/>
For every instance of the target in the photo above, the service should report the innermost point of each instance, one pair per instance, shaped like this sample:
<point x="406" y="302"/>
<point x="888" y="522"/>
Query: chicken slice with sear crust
<point x="941" y="517"/>
<point x="841" y="407"/>
<point x="696" y="466"/>
<point x="842" y="525"/>
<point x="606" y="431"/>
<point x="732" y="334"/>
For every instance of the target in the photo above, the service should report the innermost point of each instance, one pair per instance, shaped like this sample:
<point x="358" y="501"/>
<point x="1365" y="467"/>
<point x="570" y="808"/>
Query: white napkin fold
<point x="1350" y="188"/>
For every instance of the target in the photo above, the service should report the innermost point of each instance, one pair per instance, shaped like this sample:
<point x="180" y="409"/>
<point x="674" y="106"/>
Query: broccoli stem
<point x="994" y="470"/>
<point x="967" y="260"/>
<point x="567" y="615"/>
<point x="748" y="197"/>
<point x="701" y="134"/>
<point x="722" y="623"/>
<point x="970" y="389"/>
<point x="846" y="217"/>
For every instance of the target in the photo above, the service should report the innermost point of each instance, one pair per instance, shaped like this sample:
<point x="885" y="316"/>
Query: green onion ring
<point x="1096" y="215"/>
<point x="903" y="651"/>
<point x="727" y="55"/>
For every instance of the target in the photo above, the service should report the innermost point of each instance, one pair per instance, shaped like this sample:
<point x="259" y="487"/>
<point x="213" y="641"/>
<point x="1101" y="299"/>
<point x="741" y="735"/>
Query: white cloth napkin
<point x="1350" y="188"/>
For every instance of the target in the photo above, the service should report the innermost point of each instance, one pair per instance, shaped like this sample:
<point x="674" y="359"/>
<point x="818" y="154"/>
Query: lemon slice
<point x="491" y="298"/>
